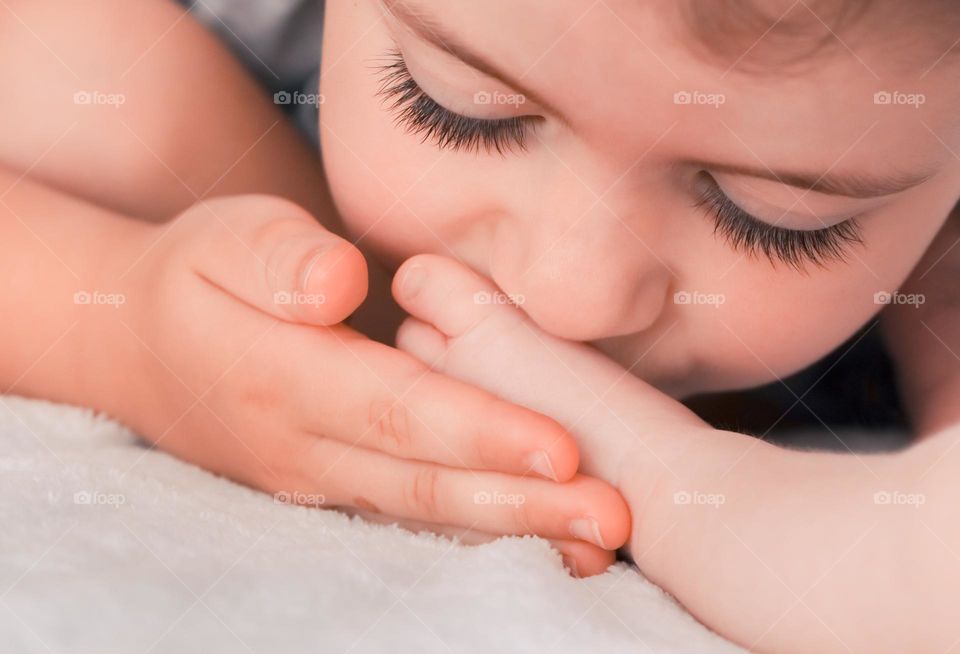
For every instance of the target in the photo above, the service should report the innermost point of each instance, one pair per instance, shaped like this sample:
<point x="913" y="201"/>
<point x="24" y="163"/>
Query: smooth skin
<point x="221" y="352"/>
<point x="778" y="550"/>
<point x="593" y="227"/>
<point x="594" y="223"/>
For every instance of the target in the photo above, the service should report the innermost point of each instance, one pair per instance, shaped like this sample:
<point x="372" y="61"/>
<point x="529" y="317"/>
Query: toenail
<point x="587" y="529"/>
<point x="539" y="462"/>
<point x="413" y="280"/>
<point x="311" y="266"/>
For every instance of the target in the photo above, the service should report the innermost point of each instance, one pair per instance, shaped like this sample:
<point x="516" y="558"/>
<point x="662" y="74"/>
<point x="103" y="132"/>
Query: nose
<point x="579" y="270"/>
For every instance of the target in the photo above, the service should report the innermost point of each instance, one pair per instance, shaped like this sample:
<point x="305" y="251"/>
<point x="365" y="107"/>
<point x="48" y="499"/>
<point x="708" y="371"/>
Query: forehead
<point x="615" y="67"/>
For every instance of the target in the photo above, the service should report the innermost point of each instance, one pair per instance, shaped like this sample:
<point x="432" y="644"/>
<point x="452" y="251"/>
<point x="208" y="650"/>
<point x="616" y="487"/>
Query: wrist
<point x="110" y="306"/>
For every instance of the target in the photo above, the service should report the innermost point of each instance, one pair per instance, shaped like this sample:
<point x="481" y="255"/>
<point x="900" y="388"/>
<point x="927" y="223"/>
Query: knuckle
<point x="422" y="495"/>
<point x="390" y="422"/>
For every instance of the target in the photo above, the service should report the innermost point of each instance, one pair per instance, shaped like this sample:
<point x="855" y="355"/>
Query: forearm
<point x="192" y="123"/>
<point x="789" y="551"/>
<point x="62" y="262"/>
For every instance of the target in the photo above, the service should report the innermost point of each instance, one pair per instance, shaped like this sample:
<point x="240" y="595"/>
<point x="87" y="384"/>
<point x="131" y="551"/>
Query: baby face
<point x="707" y="225"/>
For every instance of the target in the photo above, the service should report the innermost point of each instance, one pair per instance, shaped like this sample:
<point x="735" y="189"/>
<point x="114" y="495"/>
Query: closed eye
<point x="749" y="234"/>
<point x="418" y="113"/>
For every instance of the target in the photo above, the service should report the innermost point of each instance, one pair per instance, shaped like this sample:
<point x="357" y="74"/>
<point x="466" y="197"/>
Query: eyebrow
<point x="846" y="185"/>
<point x="428" y="29"/>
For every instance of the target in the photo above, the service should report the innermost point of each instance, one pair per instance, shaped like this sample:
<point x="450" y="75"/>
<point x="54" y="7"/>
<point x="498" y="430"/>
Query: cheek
<point x="773" y="324"/>
<point x="776" y="331"/>
<point x="369" y="163"/>
<point x="400" y="195"/>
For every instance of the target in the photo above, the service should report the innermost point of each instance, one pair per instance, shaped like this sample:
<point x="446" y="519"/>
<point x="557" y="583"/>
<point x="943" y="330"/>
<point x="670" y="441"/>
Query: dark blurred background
<point x="847" y="401"/>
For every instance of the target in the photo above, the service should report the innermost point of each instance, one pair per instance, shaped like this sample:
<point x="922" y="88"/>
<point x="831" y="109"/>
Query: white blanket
<point x="107" y="546"/>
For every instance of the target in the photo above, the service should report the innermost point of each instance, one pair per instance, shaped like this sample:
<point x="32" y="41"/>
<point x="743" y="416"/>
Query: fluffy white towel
<point x="107" y="546"/>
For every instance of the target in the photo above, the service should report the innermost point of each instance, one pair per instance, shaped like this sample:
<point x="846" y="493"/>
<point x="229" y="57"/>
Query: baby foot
<point x="465" y="327"/>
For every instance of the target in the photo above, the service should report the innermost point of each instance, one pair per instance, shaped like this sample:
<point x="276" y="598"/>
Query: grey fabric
<point x="277" y="40"/>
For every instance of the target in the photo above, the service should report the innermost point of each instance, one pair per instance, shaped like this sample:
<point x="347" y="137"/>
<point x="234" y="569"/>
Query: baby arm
<point x="181" y="120"/>
<point x="775" y="549"/>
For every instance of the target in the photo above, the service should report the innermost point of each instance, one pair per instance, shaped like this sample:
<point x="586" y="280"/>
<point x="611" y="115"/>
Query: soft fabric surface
<point x="107" y="546"/>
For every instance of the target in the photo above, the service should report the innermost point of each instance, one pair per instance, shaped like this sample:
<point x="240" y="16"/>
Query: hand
<point x="233" y="358"/>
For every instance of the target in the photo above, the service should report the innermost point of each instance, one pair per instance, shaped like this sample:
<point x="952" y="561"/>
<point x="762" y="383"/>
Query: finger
<point x="584" y="508"/>
<point x="410" y="412"/>
<point x="275" y="256"/>
<point x="581" y="559"/>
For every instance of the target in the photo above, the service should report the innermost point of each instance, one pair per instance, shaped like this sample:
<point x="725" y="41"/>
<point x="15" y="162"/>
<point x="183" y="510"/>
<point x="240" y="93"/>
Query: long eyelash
<point x="796" y="248"/>
<point x="418" y="113"/>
